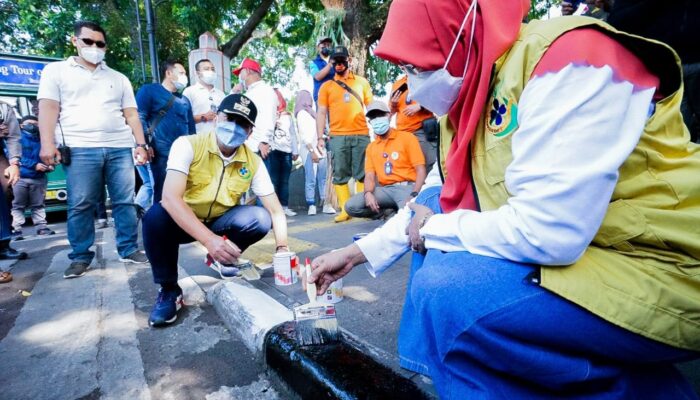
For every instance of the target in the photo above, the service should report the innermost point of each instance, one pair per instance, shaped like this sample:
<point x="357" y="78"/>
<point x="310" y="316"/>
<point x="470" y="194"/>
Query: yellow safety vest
<point x="642" y="270"/>
<point x="213" y="189"/>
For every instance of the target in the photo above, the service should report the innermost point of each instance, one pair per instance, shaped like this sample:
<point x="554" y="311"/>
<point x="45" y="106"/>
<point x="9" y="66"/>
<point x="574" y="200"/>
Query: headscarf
<point x="434" y="28"/>
<point x="281" y="102"/>
<point x="304" y="102"/>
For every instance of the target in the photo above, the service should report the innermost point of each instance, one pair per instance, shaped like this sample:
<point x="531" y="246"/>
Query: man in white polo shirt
<point x="204" y="97"/>
<point x="90" y="109"/>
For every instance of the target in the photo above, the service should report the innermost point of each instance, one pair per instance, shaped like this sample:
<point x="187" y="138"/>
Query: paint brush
<point x="246" y="268"/>
<point x="316" y="323"/>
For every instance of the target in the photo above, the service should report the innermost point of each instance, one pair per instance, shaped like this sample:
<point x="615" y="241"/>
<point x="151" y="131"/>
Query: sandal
<point x="5" y="276"/>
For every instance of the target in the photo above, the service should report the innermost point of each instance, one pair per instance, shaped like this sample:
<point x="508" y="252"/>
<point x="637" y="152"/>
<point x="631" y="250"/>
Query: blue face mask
<point x="380" y="125"/>
<point x="230" y="134"/>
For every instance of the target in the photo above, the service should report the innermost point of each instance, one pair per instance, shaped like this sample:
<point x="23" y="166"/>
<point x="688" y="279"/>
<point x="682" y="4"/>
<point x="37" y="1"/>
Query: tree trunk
<point x="233" y="46"/>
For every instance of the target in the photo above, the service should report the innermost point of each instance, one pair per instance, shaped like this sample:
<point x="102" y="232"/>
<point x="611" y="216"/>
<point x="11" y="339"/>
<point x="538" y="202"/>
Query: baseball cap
<point x="377" y="105"/>
<point x="248" y="64"/>
<point x="323" y="39"/>
<point x="340" y="51"/>
<point x="238" y="104"/>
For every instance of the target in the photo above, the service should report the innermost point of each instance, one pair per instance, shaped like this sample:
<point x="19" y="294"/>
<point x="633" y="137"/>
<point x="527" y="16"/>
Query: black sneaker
<point x="17" y="234"/>
<point x="76" y="269"/>
<point x="167" y="305"/>
<point x="44" y="231"/>
<point x="137" y="257"/>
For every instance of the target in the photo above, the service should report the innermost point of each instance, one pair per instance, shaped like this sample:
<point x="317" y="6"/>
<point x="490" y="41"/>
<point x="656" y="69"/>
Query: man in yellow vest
<point x="207" y="175"/>
<point x="557" y="245"/>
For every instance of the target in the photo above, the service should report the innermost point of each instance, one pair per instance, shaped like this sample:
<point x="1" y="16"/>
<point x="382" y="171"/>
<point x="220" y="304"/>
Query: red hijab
<point x="434" y="26"/>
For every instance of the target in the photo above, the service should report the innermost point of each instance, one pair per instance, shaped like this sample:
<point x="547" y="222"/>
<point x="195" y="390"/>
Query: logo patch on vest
<point x="244" y="173"/>
<point x="502" y="118"/>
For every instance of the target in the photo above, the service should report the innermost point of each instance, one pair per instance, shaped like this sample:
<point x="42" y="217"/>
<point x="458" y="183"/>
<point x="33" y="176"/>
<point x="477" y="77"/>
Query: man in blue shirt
<point x="166" y="115"/>
<point x="320" y="67"/>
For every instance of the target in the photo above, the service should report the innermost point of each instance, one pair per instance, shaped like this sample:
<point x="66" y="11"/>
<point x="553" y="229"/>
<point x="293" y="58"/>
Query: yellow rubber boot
<point x="359" y="187"/>
<point x="343" y="193"/>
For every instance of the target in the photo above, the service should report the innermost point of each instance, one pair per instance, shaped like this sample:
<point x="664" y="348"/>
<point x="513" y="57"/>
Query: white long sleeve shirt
<point x="265" y="100"/>
<point x="576" y="128"/>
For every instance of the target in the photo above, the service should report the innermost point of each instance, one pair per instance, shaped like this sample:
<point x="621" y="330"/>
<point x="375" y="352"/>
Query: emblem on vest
<point x="502" y="119"/>
<point x="244" y="173"/>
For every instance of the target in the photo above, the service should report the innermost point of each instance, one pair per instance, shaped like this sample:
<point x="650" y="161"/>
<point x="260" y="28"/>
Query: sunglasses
<point x="90" y="42"/>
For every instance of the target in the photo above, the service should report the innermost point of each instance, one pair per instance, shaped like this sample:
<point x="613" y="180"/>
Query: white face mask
<point x="207" y="77"/>
<point x="438" y="90"/>
<point x="181" y="82"/>
<point x="93" y="55"/>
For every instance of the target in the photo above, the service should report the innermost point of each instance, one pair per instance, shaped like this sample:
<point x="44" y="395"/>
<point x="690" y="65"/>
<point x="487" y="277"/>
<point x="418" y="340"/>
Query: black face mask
<point x="31" y="128"/>
<point x="325" y="51"/>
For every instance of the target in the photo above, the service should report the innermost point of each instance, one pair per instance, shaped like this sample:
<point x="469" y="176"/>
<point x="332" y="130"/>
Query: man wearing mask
<point x="342" y="100"/>
<point x="207" y="174"/>
<point x="30" y="190"/>
<point x="166" y="114"/>
<point x="265" y="99"/>
<point x="320" y="67"/>
<point x="394" y="168"/>
<point x="204" y="96"/>
<point x="414" y="118"/>
<point x="90" y="109"/>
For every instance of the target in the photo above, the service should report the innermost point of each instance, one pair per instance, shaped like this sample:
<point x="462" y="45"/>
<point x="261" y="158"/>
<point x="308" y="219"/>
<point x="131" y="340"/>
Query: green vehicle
<point x="19" y="83"/>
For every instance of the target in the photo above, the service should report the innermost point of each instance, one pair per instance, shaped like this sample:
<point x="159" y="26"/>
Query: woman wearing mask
<point x="284" y="150"/>
<point x="315" y="161"/>
<point x="557" y="251"/>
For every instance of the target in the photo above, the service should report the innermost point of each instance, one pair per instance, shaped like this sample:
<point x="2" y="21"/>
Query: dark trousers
<point x="279" y="165"/>
<point x="162" y="236"/>
<point x="5" y="217"/>
<point x="158" y="170"/>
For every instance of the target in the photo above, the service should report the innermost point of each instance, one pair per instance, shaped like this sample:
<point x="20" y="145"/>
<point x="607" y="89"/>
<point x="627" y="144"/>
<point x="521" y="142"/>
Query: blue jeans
<point x="279" y="165"/>
<point x="314" y="179"/>
<point x="90" y="170"/>
<point x="482" y="329"/>
<point x="158" y="170"/>
<point x="144" y="197"/>
<point x="162" y="236"/>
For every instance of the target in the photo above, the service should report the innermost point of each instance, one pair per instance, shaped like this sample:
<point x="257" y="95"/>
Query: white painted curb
<point x="247" y="312"/>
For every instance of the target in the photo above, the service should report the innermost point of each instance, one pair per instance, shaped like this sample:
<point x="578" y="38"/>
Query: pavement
<point x="88" y="338"/>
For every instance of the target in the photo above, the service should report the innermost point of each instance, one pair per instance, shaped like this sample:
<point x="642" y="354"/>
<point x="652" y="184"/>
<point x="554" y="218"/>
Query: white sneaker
<point x="328" y="209"/>
<point x="312" y="210"/>
<point x="289" y="212"/>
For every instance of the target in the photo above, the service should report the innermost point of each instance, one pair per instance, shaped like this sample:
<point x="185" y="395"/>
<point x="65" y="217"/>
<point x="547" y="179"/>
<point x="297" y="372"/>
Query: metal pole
<point x="138" y="29"/>
<point x="151" y="29"/>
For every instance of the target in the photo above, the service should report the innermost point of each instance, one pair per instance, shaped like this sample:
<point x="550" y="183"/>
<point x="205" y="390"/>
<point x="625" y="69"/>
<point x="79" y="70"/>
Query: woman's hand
<point x="330" y="267"/>
<point x="420" y="217"/>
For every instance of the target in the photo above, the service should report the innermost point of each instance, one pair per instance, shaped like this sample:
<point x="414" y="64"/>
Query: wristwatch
<point x="413" y="194"/>
<point x="142" y="145"/>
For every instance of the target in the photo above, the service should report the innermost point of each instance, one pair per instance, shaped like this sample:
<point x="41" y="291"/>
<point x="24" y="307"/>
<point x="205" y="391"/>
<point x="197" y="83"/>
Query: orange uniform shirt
<point x="405" y="122"/>
<point x="346" y="114"/>
<point x="394" y="158"/>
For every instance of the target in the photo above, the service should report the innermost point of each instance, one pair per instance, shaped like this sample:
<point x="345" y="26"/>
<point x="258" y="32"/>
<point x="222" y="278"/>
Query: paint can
<point x="334" y="293"/>
<point x="284" y="264"/>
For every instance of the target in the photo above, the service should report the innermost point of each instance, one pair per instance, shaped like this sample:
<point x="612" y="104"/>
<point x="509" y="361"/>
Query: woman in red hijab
<point x="561" y="230"/>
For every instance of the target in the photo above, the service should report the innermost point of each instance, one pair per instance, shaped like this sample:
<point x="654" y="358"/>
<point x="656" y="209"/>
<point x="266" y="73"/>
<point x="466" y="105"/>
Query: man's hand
<point x="12" y="174"/>
<point x="412" y="109"/>
<point x="371" y="202"/>
<point x="321" y="144"/>
<point x="395" y="99"/>
<point x="4" y="130"/>
<point x="41" y="167"/>
<point x="209" y="116"/>
<point x="294" y="157"/>
<point x="314" y="157"/>
<point x="141" y="156"/>
<point x="237" y="88"/>
<point x="264" y="150"/>
<point x="49" y="154"/>
<point x="567" y="8"/>
<point x="223" y="251"/>
<point x="419" y="217"/>
<point x="330" y="267"/>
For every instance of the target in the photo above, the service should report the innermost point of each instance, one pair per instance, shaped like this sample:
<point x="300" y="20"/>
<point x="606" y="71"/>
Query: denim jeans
<point x="158" y="166"/>
<point x="279" y="165"/>
<point x="314" y="176"/>
<point x="144" y="197"/>
<point x="162" y="236"/>
<point x="482" y="329"/>
<point x="90" y="170"/>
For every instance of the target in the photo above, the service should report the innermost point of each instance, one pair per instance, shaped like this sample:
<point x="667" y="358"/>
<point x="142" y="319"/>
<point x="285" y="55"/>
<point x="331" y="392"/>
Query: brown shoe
<point x="5" y="276"/>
